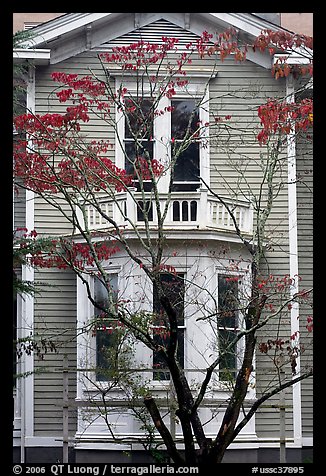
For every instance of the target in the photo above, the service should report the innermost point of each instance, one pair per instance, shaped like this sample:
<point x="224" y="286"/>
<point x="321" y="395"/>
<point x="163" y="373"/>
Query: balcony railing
<point x="186" y="211"/>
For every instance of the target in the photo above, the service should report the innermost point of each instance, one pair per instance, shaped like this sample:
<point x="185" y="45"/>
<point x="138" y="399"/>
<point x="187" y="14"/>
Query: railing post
<point x="131" y="205"/>
<point x="203" y="214"/>
<point x="118" y="209"/>
<point x="80" y="216"/>
<point x="250" y="217"/>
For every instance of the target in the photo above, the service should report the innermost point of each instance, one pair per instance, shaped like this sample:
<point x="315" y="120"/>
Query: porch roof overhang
<point x="37" y="56"/>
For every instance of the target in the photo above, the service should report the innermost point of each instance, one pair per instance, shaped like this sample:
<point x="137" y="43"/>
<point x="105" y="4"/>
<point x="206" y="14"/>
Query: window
<point x="228" y="305"/>
<point x="139" y="139"/>
<point x="174" y="289"/>
<point x="107" y="334"/>
<point x="138" y="136"/>
<point x="184" y="123"/>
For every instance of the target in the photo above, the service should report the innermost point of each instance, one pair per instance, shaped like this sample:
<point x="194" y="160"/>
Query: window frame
<point x="162" y="128"/>
<point x="183" y="327"/>
<point x="180" y="184"/>
<point x="107" y="324"/>
<point x="242" y="290"/>
<point x="91" y="345"/>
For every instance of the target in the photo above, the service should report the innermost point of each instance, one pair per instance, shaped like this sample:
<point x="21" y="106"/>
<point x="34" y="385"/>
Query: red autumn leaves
<point x="280" y="117"/>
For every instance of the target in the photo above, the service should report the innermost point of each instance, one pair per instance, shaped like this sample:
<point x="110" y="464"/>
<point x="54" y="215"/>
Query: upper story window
<point x="138" y="134"/>
<point x="169" y="131"/>
<point x="184" y="124"/>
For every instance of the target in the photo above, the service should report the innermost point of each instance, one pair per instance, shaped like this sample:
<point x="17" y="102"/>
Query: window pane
<point x="173" y="286"/>
<point x="176" y="211"/>
<point x="193" y="211"/>
<point x="228" y="301"/>
<point x="140" y="119"/>
<point x="187" y="165"/>
<point x="134" y="150"/>
<point x="107" y="342"/>
<point x="185" y="214"/>
<point x="106" y="335"/>
<point x="161" y="337"/>
<point x="174" y="290"/>
<point x="228" y="305"/>
<point x="180" y="117"/>
<point x="228" y="360"/>
<point x="144" y="208"/>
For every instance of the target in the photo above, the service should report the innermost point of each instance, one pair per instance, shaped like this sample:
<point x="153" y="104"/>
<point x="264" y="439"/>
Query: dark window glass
<point x="107" y="336"/>
<point x="143" y="208"/>
<point x="228" y="321"/>
<point x="193" y="211"/>
<point x="187" y="165"/>
<point x="174" y="290"/>
<point x="134" y="150"/>
<point x="184" y="123"/>
<point x="184" y="114"/>
<point x="176" y="211"/>
<point x="138" y="132"/>
<point x="139" y="119"/>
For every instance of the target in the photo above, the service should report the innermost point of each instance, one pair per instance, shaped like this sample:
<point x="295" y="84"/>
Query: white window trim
<point x="86" y="343"/>
<point x="162" y="128"/>
<point x="166" y="384"/>
<point x="244" y="290"/>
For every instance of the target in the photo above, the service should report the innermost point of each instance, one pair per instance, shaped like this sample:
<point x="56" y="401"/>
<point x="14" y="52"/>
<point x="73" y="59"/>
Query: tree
<point x="78" y="177"/>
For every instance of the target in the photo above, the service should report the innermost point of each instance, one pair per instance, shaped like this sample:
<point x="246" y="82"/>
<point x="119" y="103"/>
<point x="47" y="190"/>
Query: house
<point x="54" y="403"/>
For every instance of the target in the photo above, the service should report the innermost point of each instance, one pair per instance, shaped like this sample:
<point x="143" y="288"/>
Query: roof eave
<point x="61" y="26"/>
<point x="38" y="56"/>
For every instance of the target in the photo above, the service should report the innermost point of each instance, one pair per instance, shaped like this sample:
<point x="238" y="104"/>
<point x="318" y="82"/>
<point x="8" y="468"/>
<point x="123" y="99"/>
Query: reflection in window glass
<point x="174" y="289"/>
<point x="106" y="333"/>
<point x="184" y="123"/>
<point x="228" y="305"/>
<point x="138" y="131"/>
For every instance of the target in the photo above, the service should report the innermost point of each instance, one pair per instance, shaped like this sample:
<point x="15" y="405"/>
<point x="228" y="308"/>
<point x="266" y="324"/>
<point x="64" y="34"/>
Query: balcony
<point x="186" y="211"/>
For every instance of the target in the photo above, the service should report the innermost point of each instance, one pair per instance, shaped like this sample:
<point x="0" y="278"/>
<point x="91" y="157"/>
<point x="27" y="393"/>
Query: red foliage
<point x="281" y="117"/>
<point x="67" y="254"/>
<point x="283" y="40"/>
<point x="145" y="168"/>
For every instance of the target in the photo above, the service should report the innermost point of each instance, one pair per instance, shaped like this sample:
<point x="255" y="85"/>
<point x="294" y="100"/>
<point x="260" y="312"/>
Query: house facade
<point x="57" y="404"/>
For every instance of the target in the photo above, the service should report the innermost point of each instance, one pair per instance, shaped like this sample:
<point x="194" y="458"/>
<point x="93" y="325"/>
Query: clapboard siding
<point x="55" y="319"/>
<point x="55" y="308"/>
<point x="305" y="252"/>
<point x="19" y="208"/>
<point x="237" y="91"/>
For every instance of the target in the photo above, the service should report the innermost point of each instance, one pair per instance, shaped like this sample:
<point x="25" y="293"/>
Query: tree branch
<point x="163" y="430"/>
